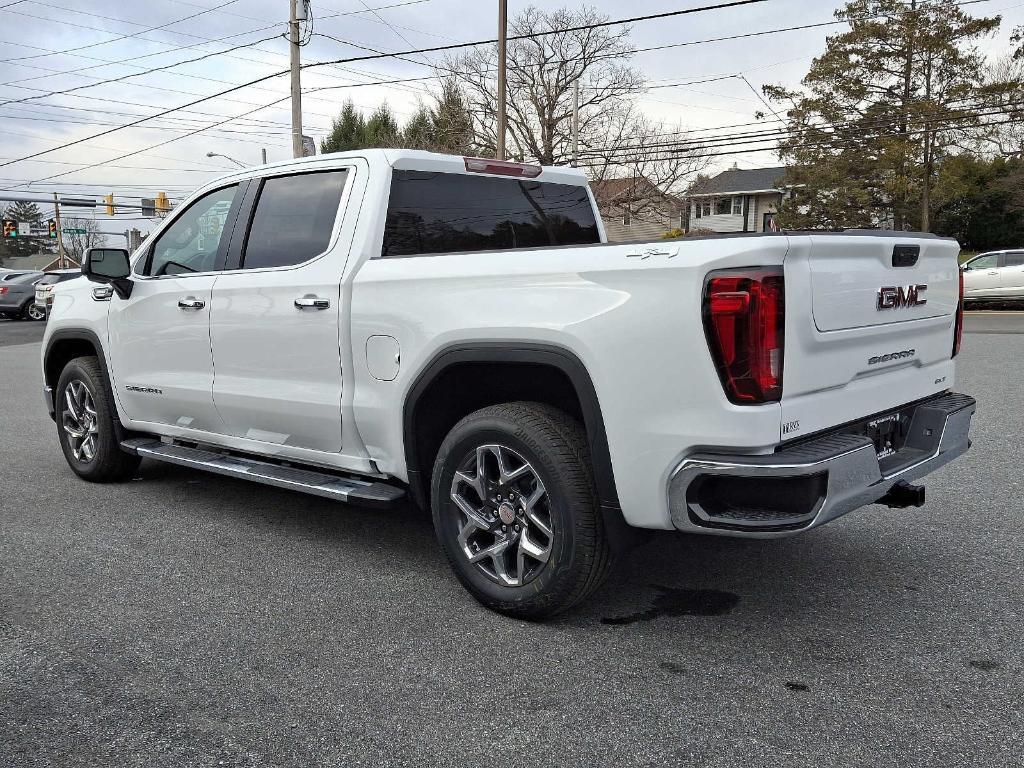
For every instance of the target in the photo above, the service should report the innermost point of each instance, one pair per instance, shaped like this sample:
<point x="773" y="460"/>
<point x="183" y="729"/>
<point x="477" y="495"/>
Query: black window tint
<point x="1015" y="259"/>
<point x="191" y="242"/>
<point x="447" y="212"/>
<point x="294" y="219"/>
<point x="49" y="279"/>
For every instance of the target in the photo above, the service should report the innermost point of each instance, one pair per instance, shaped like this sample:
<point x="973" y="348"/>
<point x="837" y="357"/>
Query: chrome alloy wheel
<point x="79" y="420"/>
<point x="505" y="525"/>
<point x="35" y="312"/>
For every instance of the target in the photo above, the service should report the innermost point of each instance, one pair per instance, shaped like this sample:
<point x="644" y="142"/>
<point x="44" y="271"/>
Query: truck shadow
<point x="847" y="567"/>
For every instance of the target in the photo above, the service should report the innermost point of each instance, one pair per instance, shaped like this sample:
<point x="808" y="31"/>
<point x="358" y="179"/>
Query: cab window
<point x="191" y="243"/>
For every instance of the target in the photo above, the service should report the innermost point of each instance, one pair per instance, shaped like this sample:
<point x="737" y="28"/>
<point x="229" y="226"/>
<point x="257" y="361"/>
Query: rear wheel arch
<point x="463" y="378"/>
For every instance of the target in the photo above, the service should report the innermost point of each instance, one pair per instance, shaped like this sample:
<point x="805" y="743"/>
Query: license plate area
<point x="888" y="431"/>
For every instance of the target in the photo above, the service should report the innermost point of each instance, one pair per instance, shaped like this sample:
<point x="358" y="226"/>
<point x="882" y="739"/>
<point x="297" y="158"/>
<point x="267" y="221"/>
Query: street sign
<point x="24" y="228"/>
<point x="74" y="231"/>
<point x="308" y="146"/>
<point x="78" y="202"/>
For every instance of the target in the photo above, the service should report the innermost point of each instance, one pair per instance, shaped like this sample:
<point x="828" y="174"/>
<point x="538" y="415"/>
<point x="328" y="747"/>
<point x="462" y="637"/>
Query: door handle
<point x="312" y="302"/>
<point x="994" y="272"/>
<point x="191" y="302"/>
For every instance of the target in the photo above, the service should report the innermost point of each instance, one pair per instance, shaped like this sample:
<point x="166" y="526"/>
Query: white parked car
<point x="995" y="275"/>
<point x="44" y="287"/>
<point x="379" y="324"/>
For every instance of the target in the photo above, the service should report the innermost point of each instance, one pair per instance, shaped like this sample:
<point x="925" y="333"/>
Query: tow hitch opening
<point x="903" y="495"/>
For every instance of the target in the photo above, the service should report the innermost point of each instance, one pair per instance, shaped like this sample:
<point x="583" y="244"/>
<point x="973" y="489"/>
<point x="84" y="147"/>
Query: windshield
<point x="49" y="279"/>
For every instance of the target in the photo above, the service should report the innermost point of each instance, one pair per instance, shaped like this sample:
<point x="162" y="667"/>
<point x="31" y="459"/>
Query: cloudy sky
<point x="56" y="45"/>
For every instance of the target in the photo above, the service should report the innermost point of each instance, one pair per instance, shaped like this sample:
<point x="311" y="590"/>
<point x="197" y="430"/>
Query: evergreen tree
<point x="452" y="121"/>
<point x="12" y="247"/>
<point x="347" y="130"/>
<point x="880" y="108"/>
<point x="419" y="131"/>
<point x="382" y="129"/>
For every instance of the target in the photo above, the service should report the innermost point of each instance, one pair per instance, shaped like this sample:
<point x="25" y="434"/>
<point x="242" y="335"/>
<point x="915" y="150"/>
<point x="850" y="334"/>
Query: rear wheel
<point x="516" y="510"/>
<point x="33" y="311"/>
<point x="85" y="424"/>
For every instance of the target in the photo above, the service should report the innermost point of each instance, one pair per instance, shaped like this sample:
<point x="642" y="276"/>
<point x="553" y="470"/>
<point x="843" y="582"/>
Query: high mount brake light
<point x="958" y="330"/>
<point x="502" y="168"/>
<point x="744" y="319"/>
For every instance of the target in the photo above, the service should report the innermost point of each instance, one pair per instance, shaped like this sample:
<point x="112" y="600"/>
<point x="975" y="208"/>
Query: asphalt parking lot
<point x="187" y="620"/>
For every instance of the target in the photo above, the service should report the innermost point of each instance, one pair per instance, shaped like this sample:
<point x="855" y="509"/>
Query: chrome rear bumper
<point x="813" y="482"/>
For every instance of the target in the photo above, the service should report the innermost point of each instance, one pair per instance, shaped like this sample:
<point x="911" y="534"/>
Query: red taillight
<point x="744" y="318"/>
<point x="3" y="290"/>
<point x="958" y="328"/>
<point x="501" y="167"/>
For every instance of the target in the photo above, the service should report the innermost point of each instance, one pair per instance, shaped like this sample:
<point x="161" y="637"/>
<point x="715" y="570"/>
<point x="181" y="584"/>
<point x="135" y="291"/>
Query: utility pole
<point x="293" y="40"/>
<point x="499" y="151"/>
<point x="576" y="122"/>
<point x="263" y="154"/>
<point x="60" y="238"/>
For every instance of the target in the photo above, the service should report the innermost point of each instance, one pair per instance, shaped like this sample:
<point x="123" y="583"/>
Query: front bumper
<point x="815" y="481"/>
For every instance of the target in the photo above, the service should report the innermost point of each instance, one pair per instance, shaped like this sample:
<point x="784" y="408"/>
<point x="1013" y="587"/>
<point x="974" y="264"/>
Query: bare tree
<point x="543" y="73"/>
<point x="1003" y="130"/>
<point x="659" y="158"/>
<point x="75" y="245"/>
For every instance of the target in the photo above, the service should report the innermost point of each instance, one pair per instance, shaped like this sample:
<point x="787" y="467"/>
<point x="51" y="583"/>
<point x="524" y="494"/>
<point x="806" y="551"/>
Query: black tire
<point x="107" y="462"/>
<point x="555" y="446"/>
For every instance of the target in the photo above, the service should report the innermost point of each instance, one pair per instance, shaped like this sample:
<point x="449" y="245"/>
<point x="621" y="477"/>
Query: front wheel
<point x="85" y="417"/>
<point x="516" y="510"/>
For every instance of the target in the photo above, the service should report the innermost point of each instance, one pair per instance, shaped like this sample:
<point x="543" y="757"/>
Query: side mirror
<point x="110" y="266"/>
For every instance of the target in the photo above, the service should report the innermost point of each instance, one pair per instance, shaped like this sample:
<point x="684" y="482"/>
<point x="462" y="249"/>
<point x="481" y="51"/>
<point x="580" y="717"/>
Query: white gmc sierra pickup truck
<point x="368" y="325"/>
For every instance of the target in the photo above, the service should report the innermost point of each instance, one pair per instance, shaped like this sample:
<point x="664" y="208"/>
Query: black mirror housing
<point x="110" y="266"/>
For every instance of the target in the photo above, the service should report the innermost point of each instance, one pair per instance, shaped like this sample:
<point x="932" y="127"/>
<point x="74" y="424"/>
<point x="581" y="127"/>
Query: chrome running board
<point x="347" y="488"/>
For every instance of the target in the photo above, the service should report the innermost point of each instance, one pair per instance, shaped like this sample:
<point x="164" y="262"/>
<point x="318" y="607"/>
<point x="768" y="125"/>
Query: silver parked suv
<point x="17" y="296"/>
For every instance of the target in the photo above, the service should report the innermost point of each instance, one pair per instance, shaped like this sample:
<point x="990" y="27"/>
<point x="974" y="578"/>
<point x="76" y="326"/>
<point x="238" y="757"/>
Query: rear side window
<point x="1015" y="259"/>
<point x="293" y="220"/>
<point x="431" y="212"/>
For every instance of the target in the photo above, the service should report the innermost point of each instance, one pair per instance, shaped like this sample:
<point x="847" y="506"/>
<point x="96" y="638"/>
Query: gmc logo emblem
<point x="899" y="296"/>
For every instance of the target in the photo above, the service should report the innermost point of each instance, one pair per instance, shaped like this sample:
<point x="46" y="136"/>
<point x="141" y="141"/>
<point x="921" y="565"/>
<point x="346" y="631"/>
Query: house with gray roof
<point x="737" y="200"/>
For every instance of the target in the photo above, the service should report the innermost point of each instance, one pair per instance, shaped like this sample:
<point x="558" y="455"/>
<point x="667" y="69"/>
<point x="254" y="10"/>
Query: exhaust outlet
<point x="903" y="495"/>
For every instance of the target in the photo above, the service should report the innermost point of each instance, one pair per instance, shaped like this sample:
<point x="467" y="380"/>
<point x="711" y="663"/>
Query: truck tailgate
<point x="869" y="326"/>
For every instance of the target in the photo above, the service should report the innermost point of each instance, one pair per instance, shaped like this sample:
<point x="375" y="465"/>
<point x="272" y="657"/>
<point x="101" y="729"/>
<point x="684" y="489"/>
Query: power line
<point x="646" y="155"/>
<point x="124" y="37"/>
<point x="937" y="119"/>
<point x="730" y="4"/>
<point x="161" y="144"/>
<point x="134" y="74"/>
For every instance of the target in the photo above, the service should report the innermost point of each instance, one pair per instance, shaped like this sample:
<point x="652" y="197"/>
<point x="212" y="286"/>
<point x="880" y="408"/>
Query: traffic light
<point x="163" y="205"/>
<point x="52" y="228"/>
<point x="10" y="228"/>
<point x="109" y="200"/>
